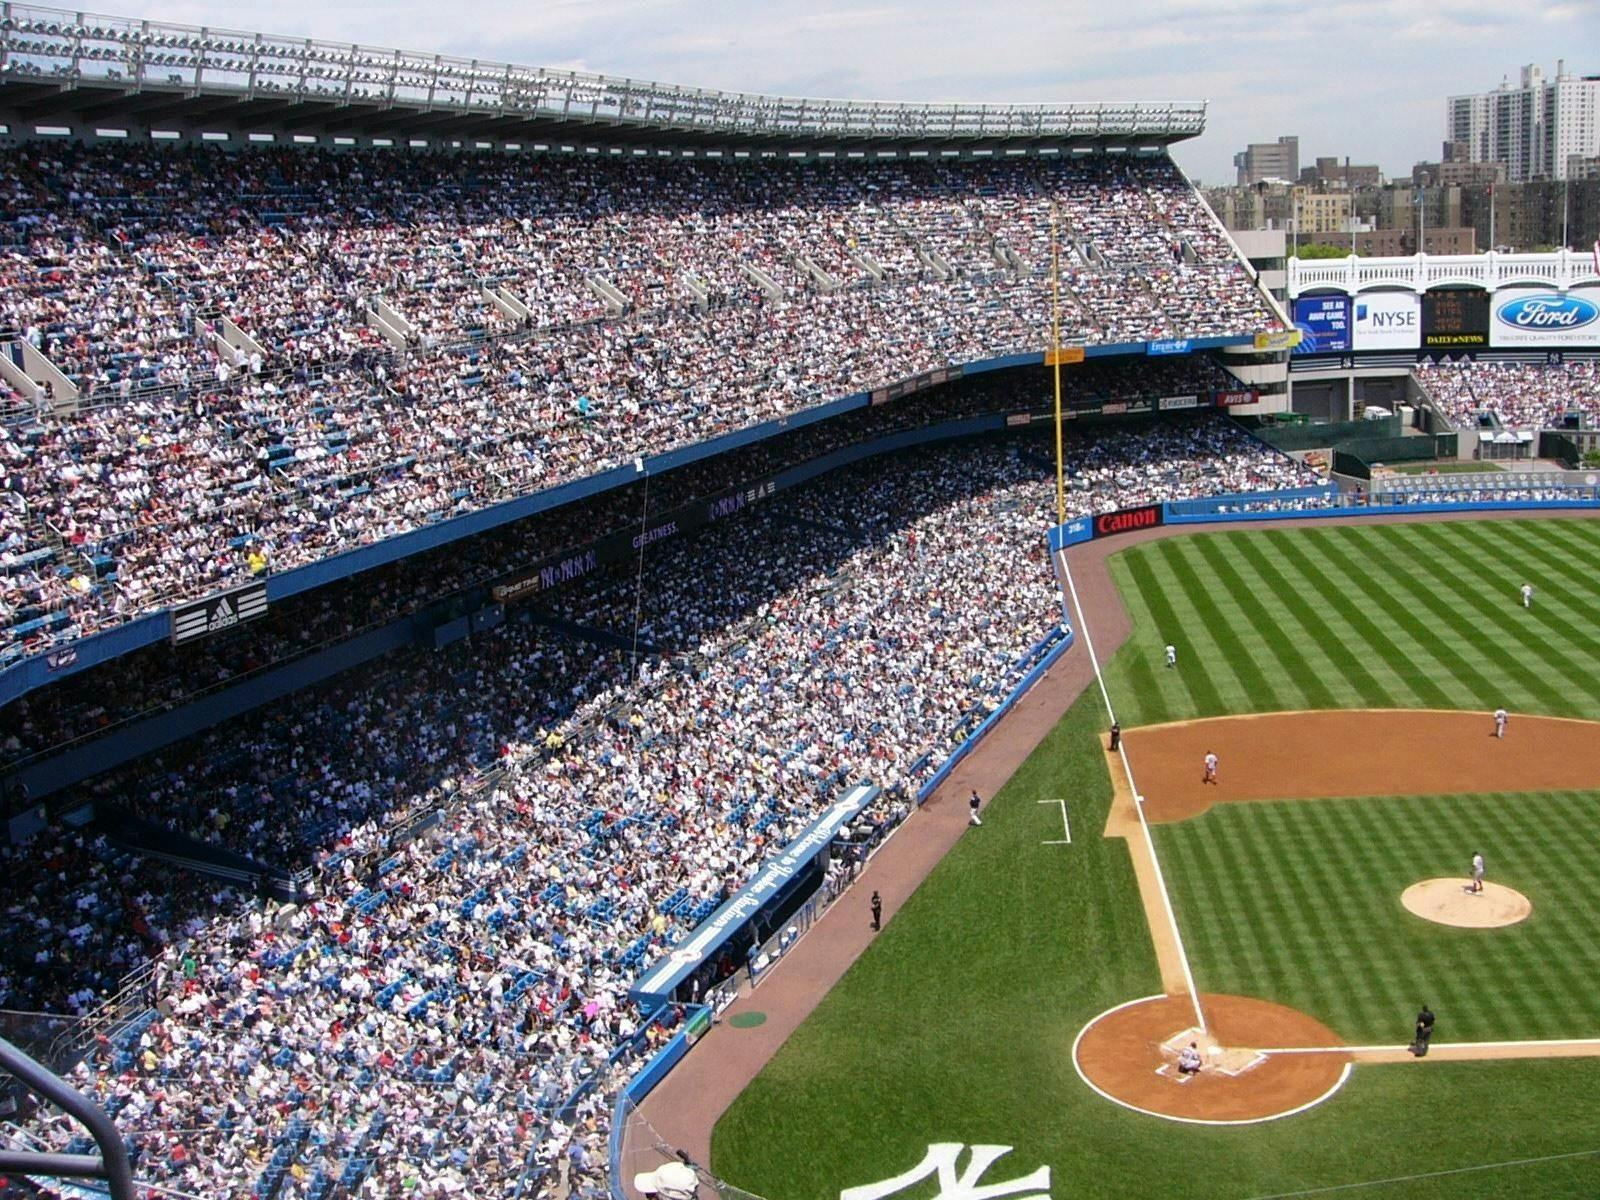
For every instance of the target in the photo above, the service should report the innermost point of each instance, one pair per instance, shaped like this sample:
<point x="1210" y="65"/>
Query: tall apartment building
<point x="1268" y="160"/>
<point x="1534" y="128"/>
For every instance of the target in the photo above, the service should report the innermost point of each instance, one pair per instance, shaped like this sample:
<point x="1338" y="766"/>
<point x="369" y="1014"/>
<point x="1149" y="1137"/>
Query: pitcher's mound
<point x="1447" y="902"/>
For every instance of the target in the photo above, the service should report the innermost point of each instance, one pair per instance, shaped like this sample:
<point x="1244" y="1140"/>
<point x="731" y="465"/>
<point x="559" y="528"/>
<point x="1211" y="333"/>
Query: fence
<point x="636" y="1147"/>
<point x="1316" y="437"/>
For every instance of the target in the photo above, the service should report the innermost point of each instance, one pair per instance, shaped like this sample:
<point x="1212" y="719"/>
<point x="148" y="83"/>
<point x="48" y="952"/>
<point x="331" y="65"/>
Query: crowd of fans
<point x="196" y="458"/>
<point x="1516" y="395"/>
<point x="420" y="1026"/>
<point x="93" y="701"/>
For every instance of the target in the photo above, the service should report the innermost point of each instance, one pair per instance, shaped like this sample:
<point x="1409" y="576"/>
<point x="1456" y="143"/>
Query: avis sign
<point x="940" y="1163"/>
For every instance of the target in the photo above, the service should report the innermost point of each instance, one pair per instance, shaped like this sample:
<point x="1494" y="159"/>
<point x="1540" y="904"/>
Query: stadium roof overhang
<point x="78" y="72"/>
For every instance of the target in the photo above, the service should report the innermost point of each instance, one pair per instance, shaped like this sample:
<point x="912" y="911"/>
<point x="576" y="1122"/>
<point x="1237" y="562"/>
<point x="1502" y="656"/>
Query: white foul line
<point x="1067" y="829"/>
<point x="1138" y="802"/>
<point x="1435" y="1046"/>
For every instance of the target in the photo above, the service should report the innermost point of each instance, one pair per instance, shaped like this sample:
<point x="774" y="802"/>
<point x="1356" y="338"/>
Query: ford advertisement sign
<point x="1388" y="321"/>
<point x="1545" y="319"/>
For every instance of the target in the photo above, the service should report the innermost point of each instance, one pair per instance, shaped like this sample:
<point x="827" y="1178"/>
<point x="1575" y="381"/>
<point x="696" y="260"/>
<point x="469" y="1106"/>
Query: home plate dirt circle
<point x="1447" y="902"/>
<point x="1129" y="1055"/>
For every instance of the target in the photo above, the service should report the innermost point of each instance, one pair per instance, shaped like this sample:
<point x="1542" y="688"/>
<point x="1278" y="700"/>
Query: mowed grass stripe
<point x="1554" y="614"/>
<point x="1201" y="587"/>
<point x="1328" y="875"/>
<point x="1422" y="656"/>
<point x="1360" y="686"/>
<point x="1373" y="645"/>
<point x="1199" y="644"/>
<point x="1448" y="596"/>
<point x="1579" y="540"/>
<point x="1496" y="613"/>
<point x="1203" y="696"/>
<point x="1473" y="688"/>
<point x="1294" y="671"/>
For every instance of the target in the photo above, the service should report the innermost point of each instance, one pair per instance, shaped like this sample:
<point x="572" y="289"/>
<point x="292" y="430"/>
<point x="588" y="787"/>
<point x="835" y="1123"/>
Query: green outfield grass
<point x="957" y="1024"/>
<point x="1375" y="616"/>
<point x="1446" y="468"/>
<point x="1300" y="901"/>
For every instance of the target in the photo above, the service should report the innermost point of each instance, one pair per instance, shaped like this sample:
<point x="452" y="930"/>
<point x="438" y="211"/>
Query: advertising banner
<point x="1066" y="356"/>
<point x="1535" y="318"/>
<point x="1388" y="321"/>
<point x="1324" y="324"/>
<point x="1455" y="317"/>
<point x="1282" y="339"/>
<point x="1126" y="520"/>
<point x="575" y="564"/>
<point x="1168" y="403"/>
<point x="1228" y="399"/>
<point x="915" y="383"/>
<point x="193" y="621"/>
<point x="1168" y="346"/>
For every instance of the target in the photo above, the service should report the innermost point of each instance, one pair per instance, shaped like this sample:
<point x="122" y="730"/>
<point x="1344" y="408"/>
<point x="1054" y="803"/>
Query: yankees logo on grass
<point x="940" y="1163"/>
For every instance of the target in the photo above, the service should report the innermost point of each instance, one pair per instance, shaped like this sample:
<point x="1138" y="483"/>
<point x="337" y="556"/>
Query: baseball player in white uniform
<point x="1211" y="768"/>
<point x="1172" y="655"/>
<point x="1477" y="874"/>
<point x="1500" y="719"/>
<point x="1527" y="595"/>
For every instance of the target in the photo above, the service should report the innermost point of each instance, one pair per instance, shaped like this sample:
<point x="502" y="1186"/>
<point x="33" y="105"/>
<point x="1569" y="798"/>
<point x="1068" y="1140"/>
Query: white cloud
<point x="1366" y="78"/>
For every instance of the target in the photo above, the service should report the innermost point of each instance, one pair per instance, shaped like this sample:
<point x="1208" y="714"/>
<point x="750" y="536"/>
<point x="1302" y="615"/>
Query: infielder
<point x="1500" y="719"/>
<point x="1527" y="595"/>
<point x="1211" y="768"/>
<point x="1477" y="874"/>
<point x="1172" y="656"/>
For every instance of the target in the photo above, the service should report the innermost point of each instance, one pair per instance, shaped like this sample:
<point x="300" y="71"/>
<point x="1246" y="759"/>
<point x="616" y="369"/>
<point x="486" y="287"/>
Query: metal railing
<point x="1562" y="269"/>
<point x="69" y="47"/>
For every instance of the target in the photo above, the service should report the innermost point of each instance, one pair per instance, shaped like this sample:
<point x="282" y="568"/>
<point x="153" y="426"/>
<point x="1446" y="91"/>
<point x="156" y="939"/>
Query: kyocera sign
<point x="1545" y="319"/>
<point x="1127" y="520"/>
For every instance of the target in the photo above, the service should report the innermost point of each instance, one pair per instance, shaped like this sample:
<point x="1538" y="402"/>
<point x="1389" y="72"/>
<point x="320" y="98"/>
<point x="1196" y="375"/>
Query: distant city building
<point x="1455" y="169"/>
<point x="1336" y="173"/>
<point x="1386" y="243"/>
<point x="1268" y="160"/>
<point x="1533" y="129"/>
<point x="1321" y="212"/>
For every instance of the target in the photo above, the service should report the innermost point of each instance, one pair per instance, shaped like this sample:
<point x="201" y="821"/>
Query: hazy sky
<point x="1367" y="78"/>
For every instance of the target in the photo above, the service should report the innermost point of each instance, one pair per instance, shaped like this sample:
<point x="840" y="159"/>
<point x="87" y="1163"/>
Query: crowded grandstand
<point x="376" y="933"/>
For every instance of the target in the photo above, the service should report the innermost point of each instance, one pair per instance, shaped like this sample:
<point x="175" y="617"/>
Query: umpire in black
<point x="1424" y="1031"/>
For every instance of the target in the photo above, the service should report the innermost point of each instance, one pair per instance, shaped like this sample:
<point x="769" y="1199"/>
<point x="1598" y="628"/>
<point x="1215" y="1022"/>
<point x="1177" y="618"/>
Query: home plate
<point x="1229" y="1060"/>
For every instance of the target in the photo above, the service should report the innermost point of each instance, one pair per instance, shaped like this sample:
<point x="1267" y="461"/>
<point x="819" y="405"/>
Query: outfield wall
<point x="1300" y="504"/>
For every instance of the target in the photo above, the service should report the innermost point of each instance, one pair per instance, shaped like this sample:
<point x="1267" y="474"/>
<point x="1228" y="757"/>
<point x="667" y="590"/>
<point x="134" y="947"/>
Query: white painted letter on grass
<point x="941" y="1160"/>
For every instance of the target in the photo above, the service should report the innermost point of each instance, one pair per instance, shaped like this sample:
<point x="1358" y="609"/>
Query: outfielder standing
<point x="1500" y="719"/>
<point x="1527" y="595"/>
<point x="1172" y="655"/>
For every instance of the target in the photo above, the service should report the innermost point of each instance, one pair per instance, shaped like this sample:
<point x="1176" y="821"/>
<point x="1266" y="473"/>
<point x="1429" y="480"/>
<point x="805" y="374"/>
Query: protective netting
<point x="637" y="1149"/>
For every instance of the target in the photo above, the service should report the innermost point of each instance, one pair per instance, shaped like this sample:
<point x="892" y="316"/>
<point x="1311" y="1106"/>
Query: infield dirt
<point x="1368" y="752"/>
<point x="1122" y="1054"/>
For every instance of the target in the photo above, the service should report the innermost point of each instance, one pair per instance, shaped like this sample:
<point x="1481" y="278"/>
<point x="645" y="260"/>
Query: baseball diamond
<point x="1345" y="675"/>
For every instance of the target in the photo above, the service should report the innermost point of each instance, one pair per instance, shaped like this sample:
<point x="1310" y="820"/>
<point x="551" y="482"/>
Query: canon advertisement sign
<point x="1387" y="321"/>
<point x="1127" y="520"/>
<point x="1545" y="319"/>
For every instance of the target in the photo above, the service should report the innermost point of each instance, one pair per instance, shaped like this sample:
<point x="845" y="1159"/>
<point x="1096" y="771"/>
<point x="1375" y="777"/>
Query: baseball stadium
<point x="567" y="636"/>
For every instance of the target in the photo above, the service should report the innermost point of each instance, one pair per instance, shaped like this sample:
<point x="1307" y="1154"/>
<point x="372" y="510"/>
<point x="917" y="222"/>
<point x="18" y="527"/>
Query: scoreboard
<point x="1456" y="317"/>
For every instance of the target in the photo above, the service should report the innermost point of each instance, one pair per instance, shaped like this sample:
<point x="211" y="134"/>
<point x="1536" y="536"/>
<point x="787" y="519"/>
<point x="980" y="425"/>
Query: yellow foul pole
<point x="1055" y="359"/>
